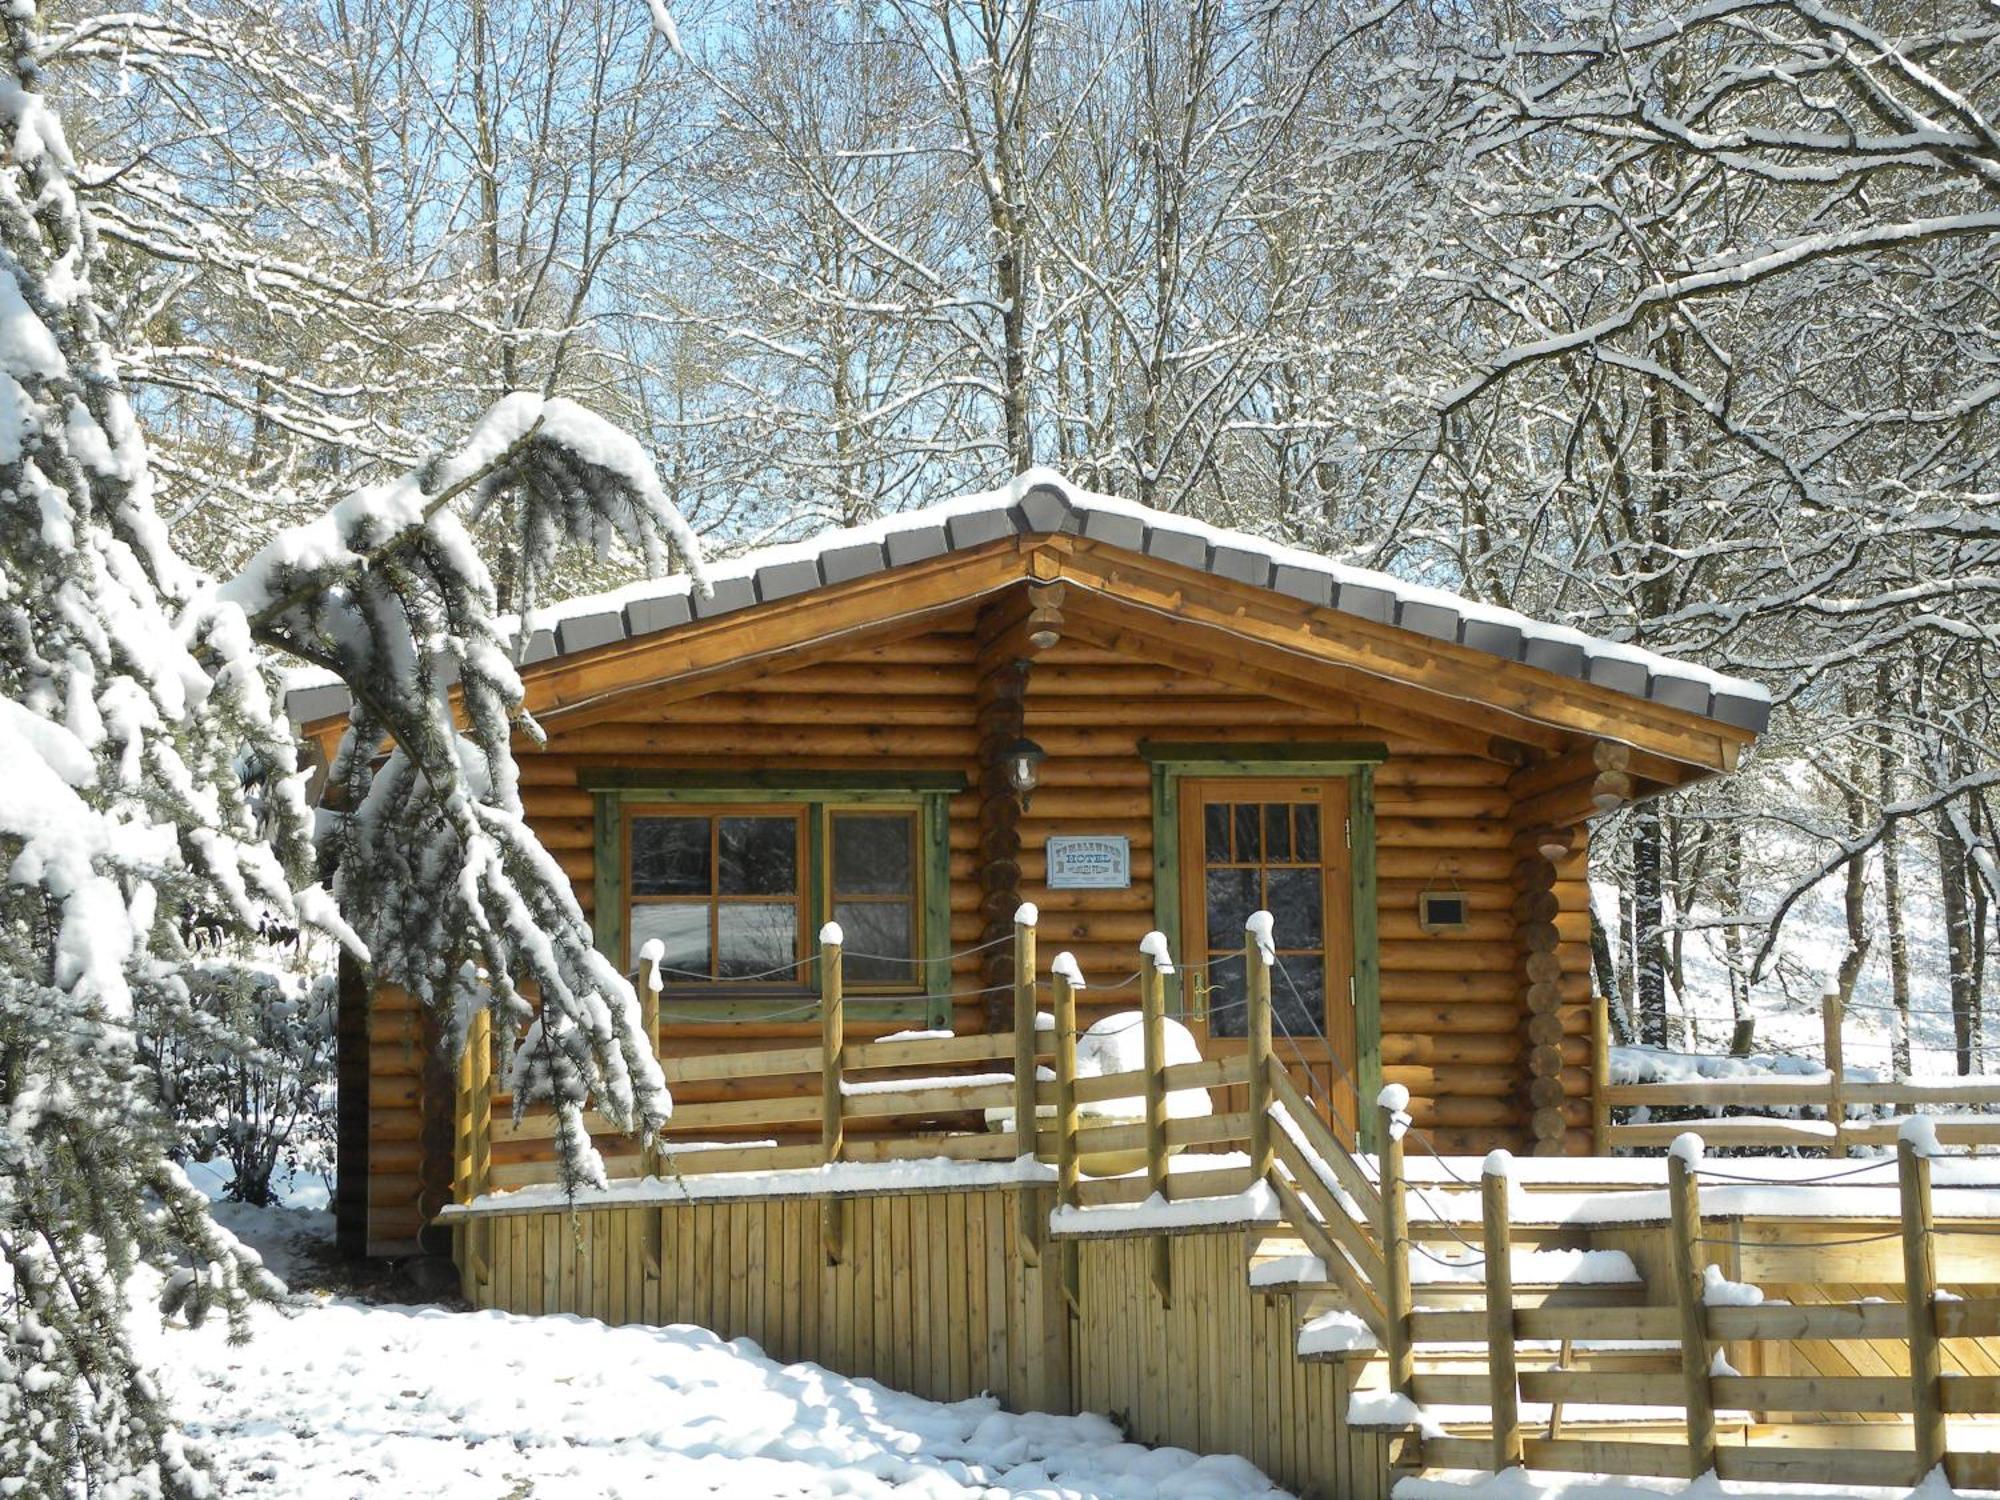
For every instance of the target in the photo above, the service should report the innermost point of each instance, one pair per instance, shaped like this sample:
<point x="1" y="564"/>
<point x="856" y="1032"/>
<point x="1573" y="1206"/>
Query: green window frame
<point x="1172" y="761"/>
<point x="617" y="793"/>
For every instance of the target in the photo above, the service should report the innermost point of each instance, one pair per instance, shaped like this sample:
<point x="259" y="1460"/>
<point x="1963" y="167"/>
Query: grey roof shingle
<point x="1046" y="508"/>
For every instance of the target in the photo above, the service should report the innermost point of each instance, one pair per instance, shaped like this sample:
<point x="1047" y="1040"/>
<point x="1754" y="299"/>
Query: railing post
<point x="1913" y="1177"/>
<point x="1027" y="1114"/>
<point x="1154" y="966"/>
<point x="650" y="984"/>
<point x="1068" y="979"/>
<point x="474" y="1166"/>
<point x="1498" y="1243"/>
<point x="833" y="1050"/>
<point x="1393" y="1104"/>
<point x="1836" y="1094"/>
<point x="1697" y="1357"/>
<point x="1257" y="956"/>
<point x="1600" y="1075"/>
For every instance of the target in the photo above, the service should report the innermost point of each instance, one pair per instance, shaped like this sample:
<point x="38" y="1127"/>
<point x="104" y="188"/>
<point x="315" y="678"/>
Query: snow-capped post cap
<point x="830" y="936"/>
<point x="1687" y="1149"/>
<point x="1066" y="967"/>
<point x="1920" y="1132"/>
<point x="1258" y="928"/>
<point x="1027" y="914"/>
<point x="1154" y="946"/>
<point x="1395" y="1099"/>
<point x="1499" y="1163"/>
<point x="650" y="953"/>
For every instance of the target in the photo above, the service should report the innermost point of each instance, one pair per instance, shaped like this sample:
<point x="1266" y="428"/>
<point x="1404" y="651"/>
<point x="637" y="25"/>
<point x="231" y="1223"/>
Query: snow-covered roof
<point x="1042" y="502"/>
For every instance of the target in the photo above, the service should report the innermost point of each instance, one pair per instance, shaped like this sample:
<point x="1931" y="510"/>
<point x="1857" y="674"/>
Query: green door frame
<point x="1172" y="761"/>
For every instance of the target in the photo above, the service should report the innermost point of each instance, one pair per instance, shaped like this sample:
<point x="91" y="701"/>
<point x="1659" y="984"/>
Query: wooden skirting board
<point x="931" y="1294"/>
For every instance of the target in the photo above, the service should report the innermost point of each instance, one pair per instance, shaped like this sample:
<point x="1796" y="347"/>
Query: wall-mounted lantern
<point x="1024" y="760"/>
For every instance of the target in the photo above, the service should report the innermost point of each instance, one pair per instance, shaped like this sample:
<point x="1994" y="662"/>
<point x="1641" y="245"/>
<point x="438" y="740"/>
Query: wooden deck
<point x="1190" y="1298"/>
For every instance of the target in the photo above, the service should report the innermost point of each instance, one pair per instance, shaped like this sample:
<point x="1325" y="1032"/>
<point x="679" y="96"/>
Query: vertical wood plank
<point x="1027" y="1231"/>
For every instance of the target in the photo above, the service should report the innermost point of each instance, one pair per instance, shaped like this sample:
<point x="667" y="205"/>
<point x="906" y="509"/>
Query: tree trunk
<point x="1958" y="938"/>
<point x="1648" y="918"/>
<point x="1892" y="879"/>
<point x="1743" y="1029"/>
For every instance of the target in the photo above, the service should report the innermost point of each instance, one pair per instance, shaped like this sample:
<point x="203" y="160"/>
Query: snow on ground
<point x="335" y="1398"/>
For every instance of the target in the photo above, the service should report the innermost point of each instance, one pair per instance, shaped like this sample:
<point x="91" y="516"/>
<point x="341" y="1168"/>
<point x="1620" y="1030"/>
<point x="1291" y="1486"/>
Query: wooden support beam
<point x="1068" y="1170"/>
<point x="1153" y="1013"/>
<point x="1697" y="1355"/>
<point x="1498" y="1244"/>
<point x="833" y="1104"/>
<point x="1927" y="1426"/>
<point x="1032" y="1223"/>
<point x="1257" y="1053"/>
<point x="1581" y="764"/>
<point x="1395" y="1236"/>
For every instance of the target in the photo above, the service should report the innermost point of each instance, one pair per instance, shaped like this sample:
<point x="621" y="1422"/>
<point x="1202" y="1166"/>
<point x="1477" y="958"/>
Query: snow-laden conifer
<point x="148" y="783"/>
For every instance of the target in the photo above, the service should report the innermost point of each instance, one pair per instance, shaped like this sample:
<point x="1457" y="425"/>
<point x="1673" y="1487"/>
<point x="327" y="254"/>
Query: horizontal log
<point x="762" y="743"/>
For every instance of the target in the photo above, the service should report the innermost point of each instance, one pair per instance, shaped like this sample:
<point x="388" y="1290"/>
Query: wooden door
<point x="1281" y="845"/>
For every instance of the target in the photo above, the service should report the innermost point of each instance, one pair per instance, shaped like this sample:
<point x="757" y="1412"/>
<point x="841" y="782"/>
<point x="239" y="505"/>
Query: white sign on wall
<point x="1089" y="862"/>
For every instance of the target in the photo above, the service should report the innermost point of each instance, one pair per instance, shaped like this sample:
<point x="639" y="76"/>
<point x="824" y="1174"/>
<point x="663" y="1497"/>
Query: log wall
<point x="1451" y="1003"/>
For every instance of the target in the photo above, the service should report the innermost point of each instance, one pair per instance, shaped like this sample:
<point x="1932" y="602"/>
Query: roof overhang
<point x="1479" y="687"/>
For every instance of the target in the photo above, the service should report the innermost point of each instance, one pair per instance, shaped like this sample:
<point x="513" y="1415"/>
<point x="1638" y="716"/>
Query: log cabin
<point x="1137" y="722"/>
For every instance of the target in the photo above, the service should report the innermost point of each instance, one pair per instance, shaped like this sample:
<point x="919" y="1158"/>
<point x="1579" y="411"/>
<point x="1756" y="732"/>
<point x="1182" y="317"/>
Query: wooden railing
<point x="1830" y="1095"/>
<point x="1691" y="1396"/>
<point x="912" y="1097"/>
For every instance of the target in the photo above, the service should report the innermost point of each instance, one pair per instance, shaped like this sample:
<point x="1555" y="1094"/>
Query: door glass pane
<point x="684" y="931"/>
<point x="882" y="928"/>
<point x="1227" y="1015"/>
<point x="1305" y="818"/>
<point x="1278" y="832"/>
<point x="754" y="937"/>
<point x="1249" y="847"/>
<point x="871" y="854"/>
<point x="1298" y="995"/>
<point x="759" y="857"/>
<point x="1232" y="896"/>
<point x="1215" y="833"/>
<point x="1295" y="907"/>
<point x="670" y="857"/>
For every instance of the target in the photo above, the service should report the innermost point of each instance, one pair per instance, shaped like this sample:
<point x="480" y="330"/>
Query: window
<point x="737" y="894"/>
<point x="1266" y="855"/>
<point x="721" y="893"/>
<point x="874" y="884"/>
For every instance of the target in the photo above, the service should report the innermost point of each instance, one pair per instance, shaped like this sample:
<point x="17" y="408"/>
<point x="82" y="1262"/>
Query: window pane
<point x="878" y="927"/>
<point x="1298" y="995"/>
<point x="755" y="937"/>
<point x="1295" y="908"/>
<point x="670" y="857"/>
<point x="871" y="854"/>
<point x="1278" y="832"/>
<point x="1232" y="896"/>
<point x="1307" y="822"/>
<point x="759" y="857"/>
<point x="1249" y="848"/>
<point x="1215" y="832"/>
<point x="684" y="930"/>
